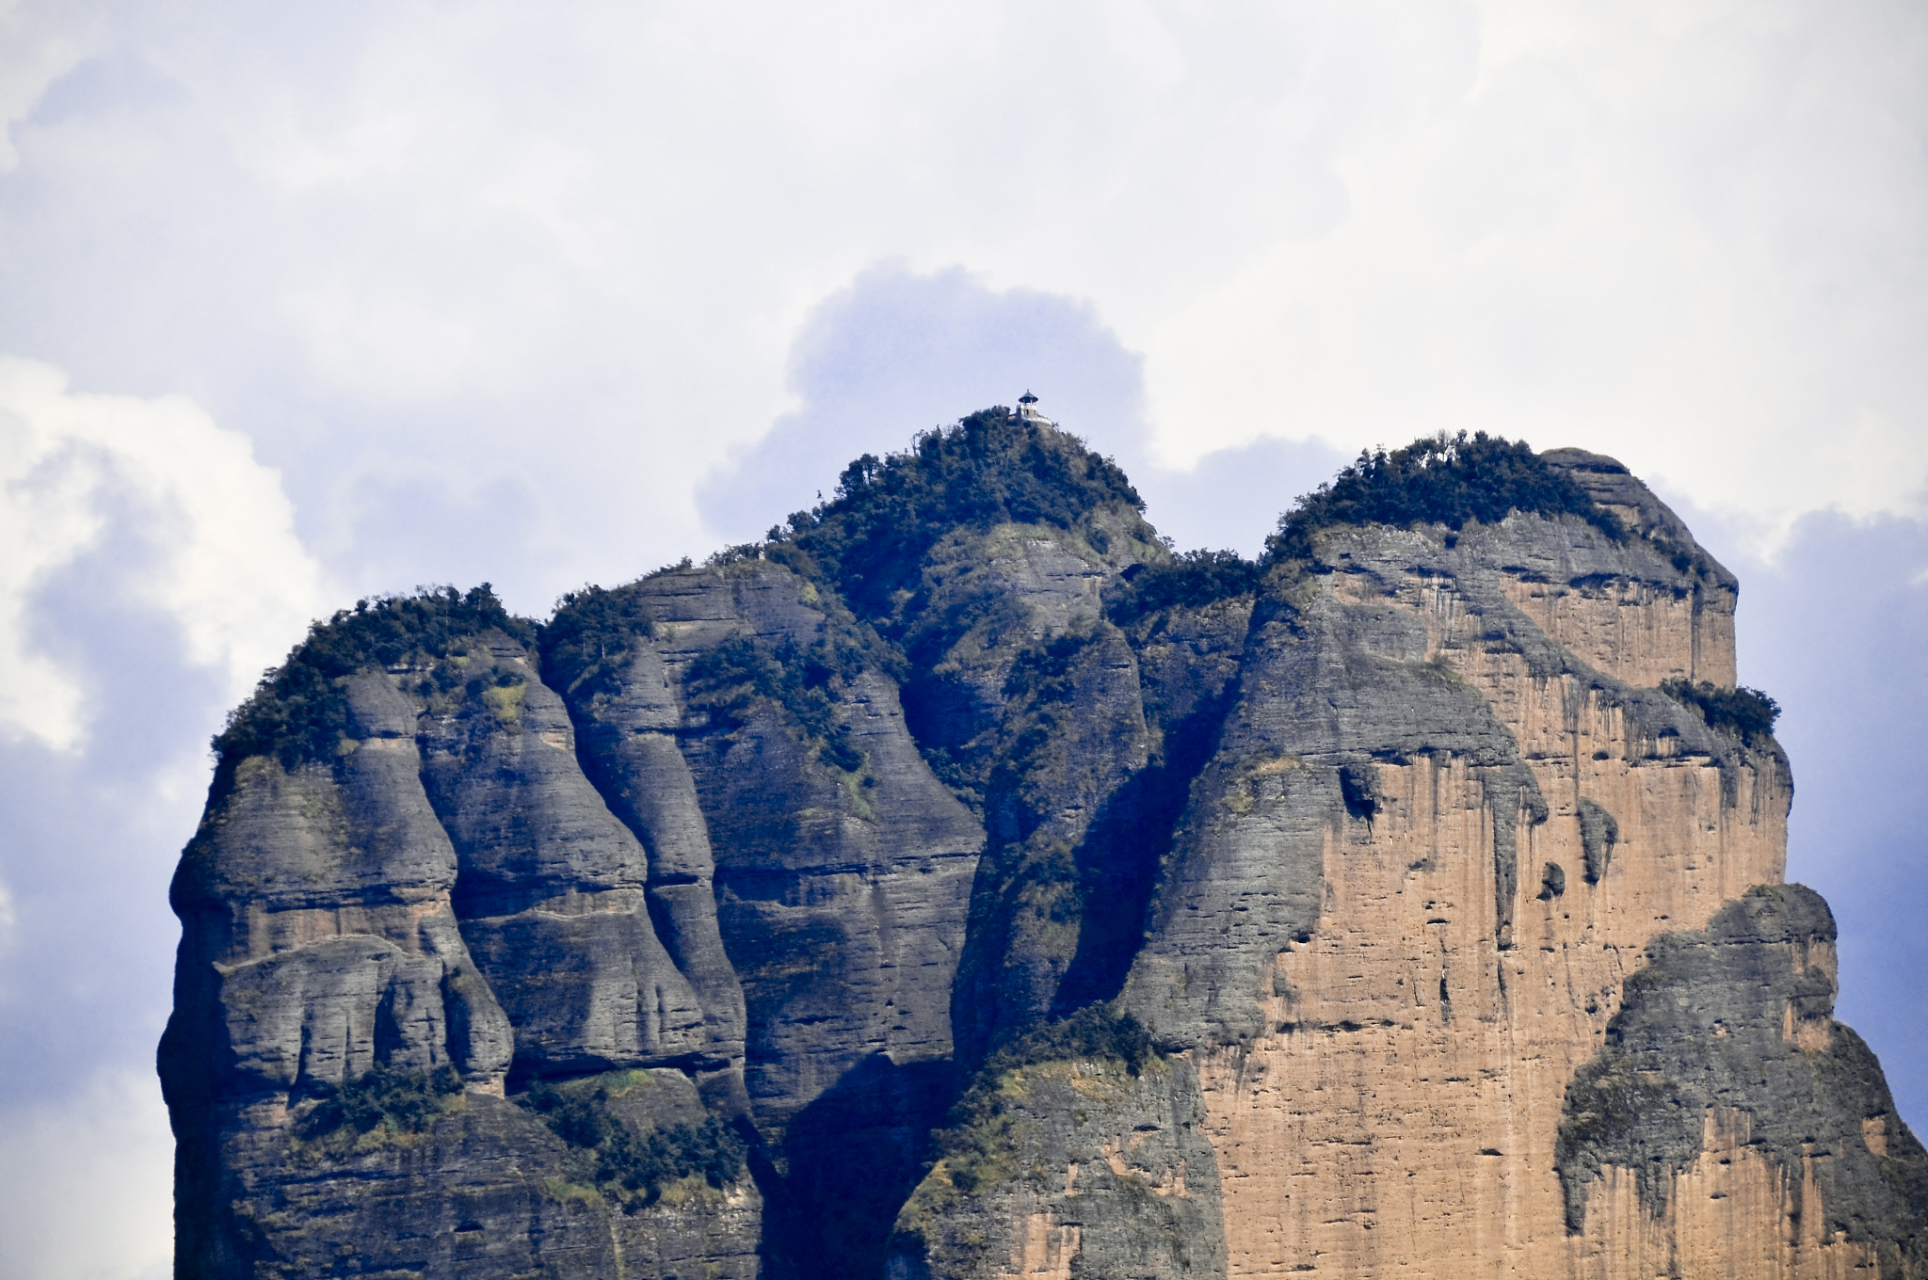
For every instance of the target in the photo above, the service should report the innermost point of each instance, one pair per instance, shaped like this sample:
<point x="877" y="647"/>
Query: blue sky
<point x="297" y="306"/>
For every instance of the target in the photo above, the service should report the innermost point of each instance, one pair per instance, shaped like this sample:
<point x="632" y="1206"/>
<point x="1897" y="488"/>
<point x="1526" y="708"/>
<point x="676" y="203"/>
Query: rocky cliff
<point x="959" y="883"/>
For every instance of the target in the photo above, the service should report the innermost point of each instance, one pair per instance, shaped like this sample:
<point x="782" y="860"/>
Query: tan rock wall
<point x="1044" y="1249"/>
<point x="1400" y="1115"/>
<point x="1635" y="631"/>
<point x="1733" y="1216"/>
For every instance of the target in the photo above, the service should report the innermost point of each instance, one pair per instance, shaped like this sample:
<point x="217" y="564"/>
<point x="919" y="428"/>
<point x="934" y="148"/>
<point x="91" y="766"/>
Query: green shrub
<point x="734" y="554"/>
<point x="1044" y="672"/>
<point x="625" y="1161"/>
<point x="1747" y="712"/>
<point x="975" y="1147"/>
<point x="728" y="680"/>
<point x="648" y="1162"/>
<point x="1192" y="580"/>
<point x="589" y="638"/>
<point x="1437" y="480"/>
<point x="1684" y="559"/>
<point x="298" y="712"/>
<point x="1092" y="1032"/>
<point x="397" y="1101"/>
<point x="986" y="470"/>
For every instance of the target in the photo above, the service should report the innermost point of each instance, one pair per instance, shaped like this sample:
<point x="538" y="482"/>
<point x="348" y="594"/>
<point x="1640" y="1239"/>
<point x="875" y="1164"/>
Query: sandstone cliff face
<point x="1729" y="1125"/>
<point x="1384" y="898"/>
<point x="1372" y="909"/>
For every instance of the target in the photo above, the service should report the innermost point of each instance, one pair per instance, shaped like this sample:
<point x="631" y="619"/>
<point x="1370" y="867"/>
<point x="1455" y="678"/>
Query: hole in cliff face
<point x="1598" y="834"/>
<point x="1552" y="882"/>
<point x="1359" y="784"/>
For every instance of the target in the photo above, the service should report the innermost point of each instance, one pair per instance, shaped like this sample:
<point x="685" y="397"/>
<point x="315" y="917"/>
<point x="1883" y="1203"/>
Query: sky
<point x="303" y="303"/>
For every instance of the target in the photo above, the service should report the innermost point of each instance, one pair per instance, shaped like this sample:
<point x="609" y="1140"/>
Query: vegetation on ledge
<point x="298" y="712"/>
<point x="385" y="1103"/>
<point x="988" y="469"/>
<point x="1092" y="1032"/>
<point x="1439" y="479"/>
<point x="1192" y="580"/>
<point x="1747" y="712"/>
<point x="728" y="680"/>
<point x="623" y="1163"/>
<point x="976" y="1148"/>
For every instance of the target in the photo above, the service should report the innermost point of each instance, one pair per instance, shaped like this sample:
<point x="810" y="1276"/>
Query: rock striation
<point x="960" y="883"/>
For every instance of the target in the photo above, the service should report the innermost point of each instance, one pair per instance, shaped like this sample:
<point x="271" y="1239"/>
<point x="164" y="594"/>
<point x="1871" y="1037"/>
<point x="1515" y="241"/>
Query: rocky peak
<point x="959" y="882"/>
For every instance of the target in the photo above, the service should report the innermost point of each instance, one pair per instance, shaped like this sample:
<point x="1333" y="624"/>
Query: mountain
<point x="962" y="883"/>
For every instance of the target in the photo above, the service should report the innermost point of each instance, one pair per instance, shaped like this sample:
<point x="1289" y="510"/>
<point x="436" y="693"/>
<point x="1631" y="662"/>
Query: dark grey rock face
<point x="840" y="893"/>
<point x="1610" y="484"/>
<point x="484" y="1192"/>
<point x="1599" y="832"/>
<point x="360" y="915"/>
<point x="833" y="867"/>
<point x="1078" y="1168"/>
<point x="1738" y="1018"/>
<point x="551" y="891"/>
<point x="627" y="719"/>
<point x="1073" y="735"/>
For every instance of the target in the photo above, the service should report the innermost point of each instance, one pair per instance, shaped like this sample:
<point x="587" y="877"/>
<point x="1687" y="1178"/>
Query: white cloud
<point x="493" y="288"/>
<point x="1691" y="234"/>
<point x="83" y="1184"/>
<point x="225" y="566"/>
<point x="36" y="48"/>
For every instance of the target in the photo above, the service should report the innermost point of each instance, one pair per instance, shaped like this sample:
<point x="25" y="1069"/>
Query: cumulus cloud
<point x="899" y="350"/>
<point x="61" y="1166"/>
<point x="428" y="251"/>
<point x="1680" y="234"/>
<point x="225" y="566"/>
<point x="151" y="571"/>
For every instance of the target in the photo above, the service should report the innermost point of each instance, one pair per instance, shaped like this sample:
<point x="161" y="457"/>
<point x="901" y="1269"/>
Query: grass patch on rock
<point x="383" y="1108"/>
<point x="627" y="1165"/>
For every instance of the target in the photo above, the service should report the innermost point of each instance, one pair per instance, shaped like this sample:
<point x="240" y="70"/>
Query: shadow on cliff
<point x="853" y="1157"/>
<point x="1112" y="875"/>
<point x="1119" y="857"/>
